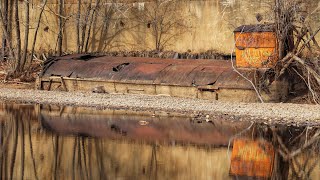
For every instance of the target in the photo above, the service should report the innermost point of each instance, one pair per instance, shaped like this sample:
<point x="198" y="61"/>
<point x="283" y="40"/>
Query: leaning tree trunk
<point x="37" y="29"/>
<point x="26" y="35"/>
<point x="5" y="24"/>
<point x="78" y="25"/>
<point x="60" y="36"/>
<point x="84" y="26"/>
<point x="4" y="6"/>
<point x="18" y="38"/>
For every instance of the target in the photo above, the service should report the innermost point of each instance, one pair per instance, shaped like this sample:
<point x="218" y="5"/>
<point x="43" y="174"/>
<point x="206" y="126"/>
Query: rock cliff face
<point x="210" y="25"/>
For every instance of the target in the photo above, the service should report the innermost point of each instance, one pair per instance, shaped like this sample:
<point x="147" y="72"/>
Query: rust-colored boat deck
<point x="205" y="79"/>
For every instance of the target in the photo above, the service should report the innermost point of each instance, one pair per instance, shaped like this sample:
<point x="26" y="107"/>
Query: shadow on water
<point x="51" y="142"/>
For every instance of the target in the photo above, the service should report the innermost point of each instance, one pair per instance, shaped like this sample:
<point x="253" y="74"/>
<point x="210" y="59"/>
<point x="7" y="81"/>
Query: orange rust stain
<point x="256" y="49"/>
<point x="252" y="158"/>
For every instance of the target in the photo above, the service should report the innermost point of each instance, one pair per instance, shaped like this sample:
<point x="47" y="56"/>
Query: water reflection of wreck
<point x="141" y="126"/>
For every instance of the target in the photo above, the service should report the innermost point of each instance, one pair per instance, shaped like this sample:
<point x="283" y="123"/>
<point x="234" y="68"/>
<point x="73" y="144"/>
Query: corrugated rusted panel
<point x="256" y="40"/>
<point x="64" y="68"/>
<point x="177" y="75"/>
<point x="91" y="70"/>
<point x="232" y="80"/>
<point x="148" y="71"/>
<point x="207" y="75"/>
<point x="139" y="72"/>
<point x="256" y="50"/>
<point x="252" y="158"/>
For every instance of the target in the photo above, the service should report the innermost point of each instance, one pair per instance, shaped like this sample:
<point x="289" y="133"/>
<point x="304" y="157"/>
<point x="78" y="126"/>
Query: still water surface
<point x="51" y="142"/>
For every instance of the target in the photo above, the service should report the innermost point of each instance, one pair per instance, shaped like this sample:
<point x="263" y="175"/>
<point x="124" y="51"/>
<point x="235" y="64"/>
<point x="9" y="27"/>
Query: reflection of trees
<point x="27" y="154"/>
<point x="153" y="163"/>
<point x="12" y="135"/>
<point x="296" y="149"/>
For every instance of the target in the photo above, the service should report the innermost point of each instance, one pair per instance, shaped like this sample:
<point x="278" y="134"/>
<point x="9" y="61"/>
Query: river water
<point x="52" y="142"/>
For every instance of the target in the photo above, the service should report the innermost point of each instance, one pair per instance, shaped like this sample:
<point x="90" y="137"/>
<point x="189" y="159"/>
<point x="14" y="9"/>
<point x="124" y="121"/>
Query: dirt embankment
<point x="269" y="113"/>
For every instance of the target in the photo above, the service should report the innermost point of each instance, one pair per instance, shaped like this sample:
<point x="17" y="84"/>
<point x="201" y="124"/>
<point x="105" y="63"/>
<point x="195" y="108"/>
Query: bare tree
<point x="4" y="6"/>
<point x="10" y="21"/>
<point x="6" y="24"/>
<point x="26" y="36"/>
<point x="18" y="38"/>
<point x="44" y="3"/>
<point x="99" y="23"/>
<point x="61" y="25"/>
<point x="166" y="21"/>
<point x="113" y="16"/>
<point x="78" y="26"/>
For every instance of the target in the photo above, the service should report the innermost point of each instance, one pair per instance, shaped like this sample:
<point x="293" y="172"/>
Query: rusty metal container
<point x="256" y="46"/>
<point x="252" y="158"/>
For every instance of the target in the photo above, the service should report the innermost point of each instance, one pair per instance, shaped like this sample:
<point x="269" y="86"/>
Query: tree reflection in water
<point x="28" y="151"/>
<point x="298" y="148"/>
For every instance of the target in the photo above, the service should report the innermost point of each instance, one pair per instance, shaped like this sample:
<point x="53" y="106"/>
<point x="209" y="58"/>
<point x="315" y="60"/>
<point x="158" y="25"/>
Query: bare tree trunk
<point x="60" y="36"/>
<point x="37" y="29"/>
<point x="89" y="29"/>
<point x="90" y="25"/>
<point x="277" y="13"/>
<point x="6" y="18"/>
<point x="6" y="35"/>
<point x="105" y="27"/>
<point x="4" y="6"/>
<point x="94" y="27"/>
<point x="78" y="26"/>
<point x="18" y="38"/>
<point x="10" y="17"/>
<point x="84" y="27"/>
<point x="26" y="35"/>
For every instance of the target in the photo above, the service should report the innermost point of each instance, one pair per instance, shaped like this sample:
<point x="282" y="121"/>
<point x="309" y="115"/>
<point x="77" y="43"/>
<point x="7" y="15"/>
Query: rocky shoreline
<point x="269" y="113"/>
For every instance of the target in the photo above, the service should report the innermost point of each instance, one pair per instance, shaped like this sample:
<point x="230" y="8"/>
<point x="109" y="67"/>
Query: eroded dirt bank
<point x="296" y="114"/>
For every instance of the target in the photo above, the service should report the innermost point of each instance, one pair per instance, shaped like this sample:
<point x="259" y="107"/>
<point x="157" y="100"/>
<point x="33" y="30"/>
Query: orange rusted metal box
<point x="256" y="46"/>
<point x="252" y="158"/>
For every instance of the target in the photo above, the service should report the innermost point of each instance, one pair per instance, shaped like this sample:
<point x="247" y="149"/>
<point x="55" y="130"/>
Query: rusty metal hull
<point x="139" y="70"/>
<point x="205" y="79"/>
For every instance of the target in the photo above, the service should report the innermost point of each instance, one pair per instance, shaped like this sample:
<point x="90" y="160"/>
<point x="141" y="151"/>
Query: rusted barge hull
<point x="204" y="79"/>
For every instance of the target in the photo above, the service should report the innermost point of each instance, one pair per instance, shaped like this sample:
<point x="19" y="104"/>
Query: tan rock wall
<point x="211" y="25"/>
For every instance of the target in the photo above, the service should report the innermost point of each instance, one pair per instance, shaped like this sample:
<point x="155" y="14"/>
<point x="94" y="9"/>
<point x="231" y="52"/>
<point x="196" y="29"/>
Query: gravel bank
<point x="269" y="113"/>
